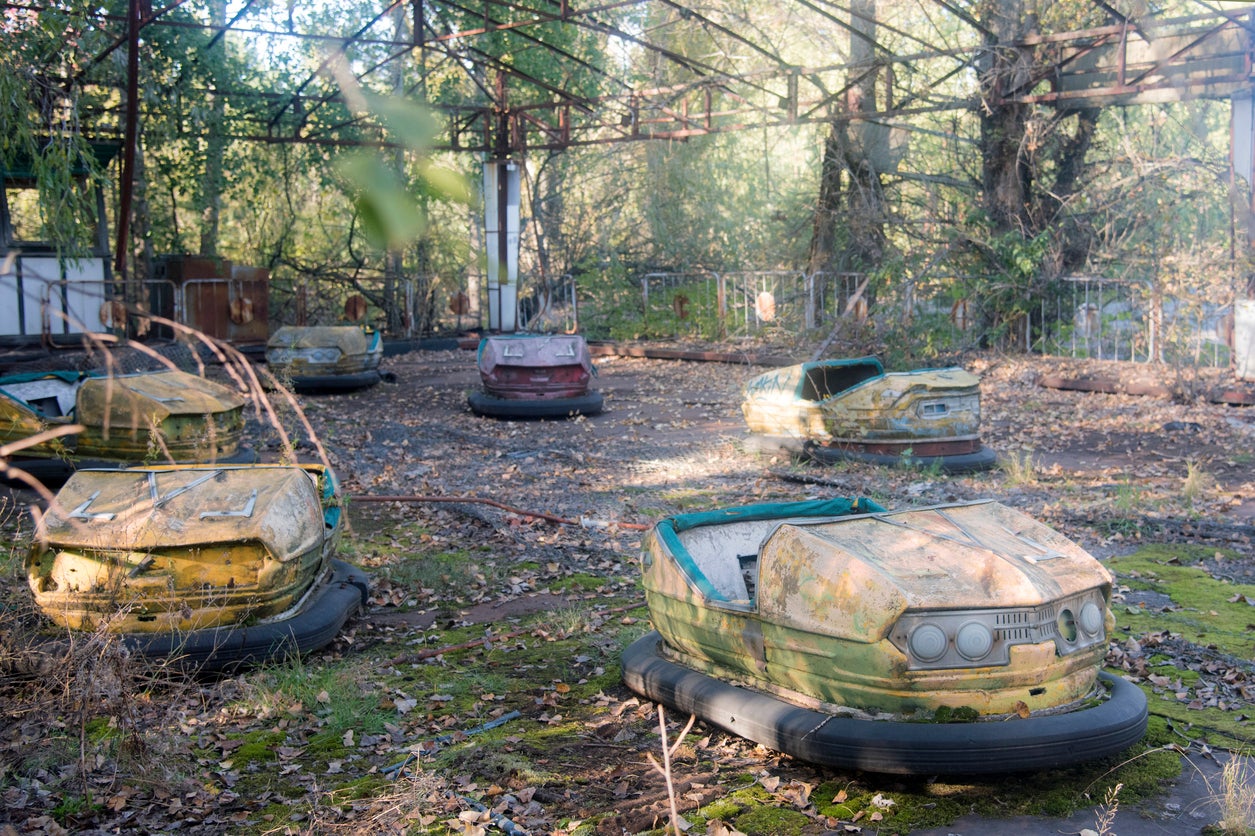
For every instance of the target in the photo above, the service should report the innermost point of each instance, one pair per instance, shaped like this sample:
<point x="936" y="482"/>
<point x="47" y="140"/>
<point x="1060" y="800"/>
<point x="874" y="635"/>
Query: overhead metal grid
<point x="712" y="75"/>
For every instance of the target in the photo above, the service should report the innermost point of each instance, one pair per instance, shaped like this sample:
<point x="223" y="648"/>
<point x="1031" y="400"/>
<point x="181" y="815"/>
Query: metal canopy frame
<point x="512" y="112"/>
<point x="509" y="111"/>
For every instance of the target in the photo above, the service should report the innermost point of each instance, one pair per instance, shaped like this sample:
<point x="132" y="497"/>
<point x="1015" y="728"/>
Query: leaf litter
<point x="486" y="662"/>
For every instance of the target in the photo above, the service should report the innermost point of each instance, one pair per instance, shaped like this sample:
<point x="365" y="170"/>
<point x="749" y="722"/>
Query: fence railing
<point x="1081" y="317"/>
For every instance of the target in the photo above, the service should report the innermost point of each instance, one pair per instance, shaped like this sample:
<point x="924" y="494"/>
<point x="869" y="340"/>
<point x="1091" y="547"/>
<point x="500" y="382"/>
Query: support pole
<point x="501" y="227"/>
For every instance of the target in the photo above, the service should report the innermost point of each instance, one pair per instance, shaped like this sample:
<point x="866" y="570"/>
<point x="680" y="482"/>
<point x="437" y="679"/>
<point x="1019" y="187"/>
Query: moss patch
<point x="1173" y="597"/>
<point x="1204" y="610"/>
<point x="771" y="821"/>
<point x="258" y="748"/>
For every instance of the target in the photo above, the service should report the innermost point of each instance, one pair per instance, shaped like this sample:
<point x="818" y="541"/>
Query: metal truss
<point x="714" y="73"/>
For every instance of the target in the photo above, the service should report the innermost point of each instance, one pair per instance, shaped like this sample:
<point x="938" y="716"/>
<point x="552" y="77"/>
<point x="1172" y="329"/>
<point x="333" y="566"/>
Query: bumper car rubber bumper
<point x="909" y="748"/>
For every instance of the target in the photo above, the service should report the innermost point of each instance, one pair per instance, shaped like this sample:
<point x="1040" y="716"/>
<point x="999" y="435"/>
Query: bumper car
<point x="851" y="410"/>
<point x="535" y="376"/>
<point x="211" y="567"/>
<point x="153" y="416"/>
<point x="325" y="357"/>
<point x="962" y="639"/>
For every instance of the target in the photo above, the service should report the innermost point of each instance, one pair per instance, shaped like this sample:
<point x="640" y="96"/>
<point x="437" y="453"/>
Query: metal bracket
<point x="246" y="511"/>
<point x="80" y="513"/>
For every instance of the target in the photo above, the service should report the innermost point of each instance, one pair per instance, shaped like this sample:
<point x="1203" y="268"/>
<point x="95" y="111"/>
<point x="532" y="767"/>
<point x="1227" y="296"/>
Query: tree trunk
<point x="850" y="189"/>
<point x="394" y="262"/>
<point x="822" y="256"/>
<point x="1006" y="172"/>
<point x="211" y="188"/>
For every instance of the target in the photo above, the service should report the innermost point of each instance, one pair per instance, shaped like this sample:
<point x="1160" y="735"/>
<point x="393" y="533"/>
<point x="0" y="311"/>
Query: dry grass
<point x="1105" y="815"/>
<point x="1235" y="796"/>
<point x="1019" y="468"/>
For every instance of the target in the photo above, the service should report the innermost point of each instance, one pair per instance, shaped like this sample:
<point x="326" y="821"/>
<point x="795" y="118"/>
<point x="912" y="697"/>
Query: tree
<point x="849" y="215"/>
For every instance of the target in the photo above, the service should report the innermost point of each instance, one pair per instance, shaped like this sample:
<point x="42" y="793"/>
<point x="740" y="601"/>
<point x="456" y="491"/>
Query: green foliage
<point x="40" y="146"/>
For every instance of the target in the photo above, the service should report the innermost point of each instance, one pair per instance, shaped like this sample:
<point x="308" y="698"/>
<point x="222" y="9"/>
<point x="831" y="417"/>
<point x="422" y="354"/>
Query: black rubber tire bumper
<point x="336" y="382"/>
<point x="55" y="471"/>
<point x="977" y="460"/>
<point x="228" y="648"/>
<point x="893" y="747"/>
<point x="482" y="403"/>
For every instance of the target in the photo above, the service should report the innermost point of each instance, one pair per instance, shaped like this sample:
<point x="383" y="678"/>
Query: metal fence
<point x="1082" y="317"/>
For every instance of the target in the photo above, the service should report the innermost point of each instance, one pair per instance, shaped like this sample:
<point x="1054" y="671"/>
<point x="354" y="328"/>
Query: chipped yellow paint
<point x="18" y="421"/>
<point x="926" y="405"/>
<point x="353" y="342"/>
<point x="827" y="593"/>
<point x="172" y="412"/>
<point x="129" y="418"/>
<point x="180" y="548"/>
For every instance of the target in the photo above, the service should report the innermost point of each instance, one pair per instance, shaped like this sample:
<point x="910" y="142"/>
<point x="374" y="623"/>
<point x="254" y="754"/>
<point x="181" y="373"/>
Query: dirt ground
<point x="1111" y="471"/>
<point x="671" y="438"/>
<point x="673" y="426"/>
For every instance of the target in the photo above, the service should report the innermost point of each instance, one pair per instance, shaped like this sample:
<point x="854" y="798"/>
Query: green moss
<point x="368" y="786"/>
<point x="754" y="793"/>
<point x="724" y="809"/>
<point x="325" y="746"/>
<point x="771" y="821"/>
<point x="101" y="729"/>
<point x="1205" y="611"/>
<point x="527" y="758"/>
<point x="449" y="573"/>
<point x="258" y="747"/>
<point x="925" y="805"/>
<point x="1211" y="613"/>
<point x="961" y="714"/>
<point x="688" y="499"/>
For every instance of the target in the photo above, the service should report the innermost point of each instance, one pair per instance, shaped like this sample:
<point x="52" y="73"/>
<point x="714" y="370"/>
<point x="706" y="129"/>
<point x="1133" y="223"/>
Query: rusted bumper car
<point x="535" y="376"/>
<point x="325" y="357"/>
<point x="166" y="416"/>
<point x="210" y="567"/>
<point x="954" y="639"/>
<point x="852" y="410"/>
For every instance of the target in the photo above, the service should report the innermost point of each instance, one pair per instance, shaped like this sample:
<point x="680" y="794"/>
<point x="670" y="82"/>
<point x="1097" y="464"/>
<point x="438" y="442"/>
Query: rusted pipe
<point x="420" y="499"/>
